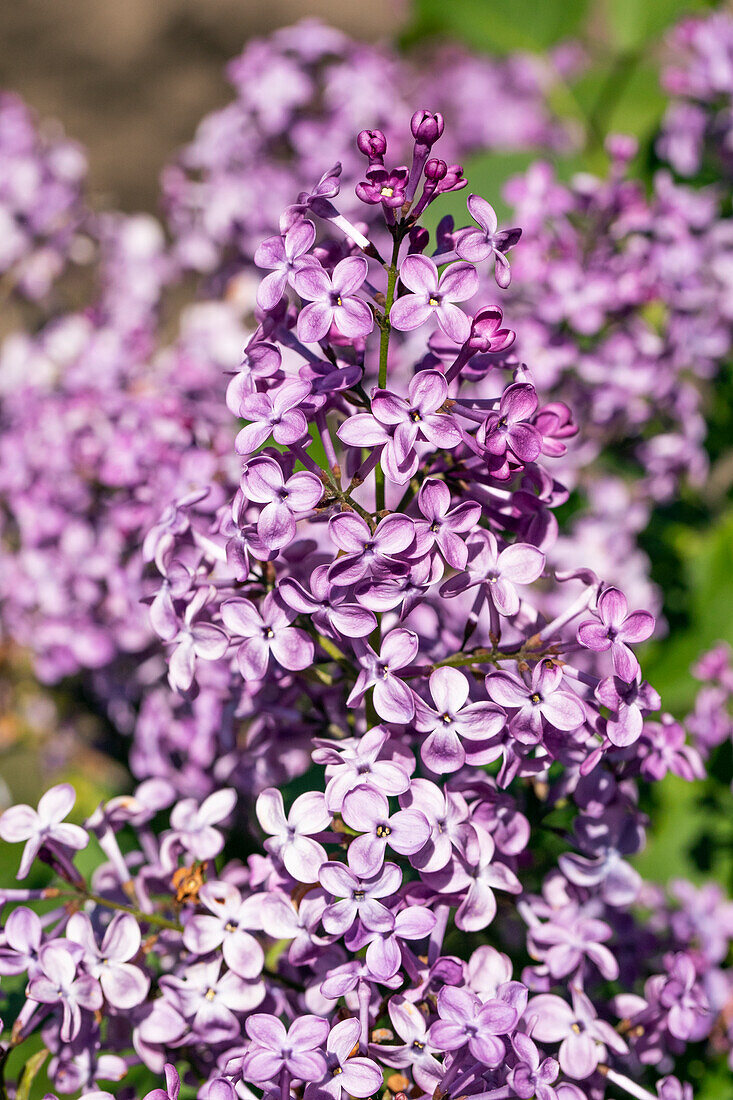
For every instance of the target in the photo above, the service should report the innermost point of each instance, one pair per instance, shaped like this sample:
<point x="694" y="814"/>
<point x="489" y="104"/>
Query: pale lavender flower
<point x="266" y="632"/>
<point x="225" y="926"/>
<point x="296" y="1050"/>
<point x="332" y="300"/>
<point x="415" y="1052"/>
<point x="466" y="1021"/>
<point x="42" y="826"/>
<point x="476" y="245"/>
<point x="367" y="811"/>
<point x="582" y="1036"/>
<point x="435" y="296"/>
<point x="532" y="1077"/>
<point x="497" y="571"/>
<point x="442" y="525"/>
<point x="359" y="898"/>
<point x="123" y="984"/>
<point x="394" y="701"/>
<point x="279" y="416"/>
<point x="616" y="629"/>
<point x="192" y="825"/>
<point x="58" y="984"/>
<point x="290" y="838"/>
<point x="452" y="720"/>
<point x="212" y="1001"/>
<point x="545" y="700"/>
<point x="263" y="482"/>
<point x="346" y="1072"/>
<point x="284" y="255"/>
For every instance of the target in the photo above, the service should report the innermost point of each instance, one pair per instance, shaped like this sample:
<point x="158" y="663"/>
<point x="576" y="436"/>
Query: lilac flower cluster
<point x="625" y="307"/>
<point x="697" y="131"/>
<point x="42" y="206"/>
<point x="302" y="93"/>
<point x="102" y="417"/>
<point x="381" y="601"/>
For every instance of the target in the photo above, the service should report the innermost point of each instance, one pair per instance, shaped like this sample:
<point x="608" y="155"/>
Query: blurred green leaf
<point x="30" y="1072"/>
<point x="707" y="560"/>
<point x="500" y="25"/>
<point x="635" y="23"/>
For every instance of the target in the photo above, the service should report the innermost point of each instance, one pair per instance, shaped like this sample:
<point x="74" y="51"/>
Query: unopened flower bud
<point x="436" y="169"/>
<point x="427" y="127"/>
<point x="373" y="144"/>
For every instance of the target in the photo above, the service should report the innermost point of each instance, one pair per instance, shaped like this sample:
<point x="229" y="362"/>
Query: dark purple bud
<point x="426" y="127"/>
<point x="436" y="169"/>
<point x="373" y="144"/>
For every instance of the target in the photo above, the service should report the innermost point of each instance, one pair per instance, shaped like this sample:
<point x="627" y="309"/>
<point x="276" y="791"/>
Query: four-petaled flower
<point x="454" y="720"/>
<point x="466" y="1021"/>
<point x="544" y="700"/>
<point x="367" y="811"/>
<point x="616" y="630"/>
<point x="58" y="984"/>
<point x="478" y="244"/>
<point x="332" y="300"/>
<point x="279" y="416"/>
<point x="290" y="838"/>
<point x="266" y="631"/>
<point x="435" y="296"/>
<point x="43" y="826"/>
<point x="296" y="1050"/>
<point x="284" y="255"/>
<point x="394" y="701"/>
<point x="263" y="482"/>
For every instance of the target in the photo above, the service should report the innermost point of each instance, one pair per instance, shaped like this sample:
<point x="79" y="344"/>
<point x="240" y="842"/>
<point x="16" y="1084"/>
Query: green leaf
<point x="29" y="1074"/>
<point x="634" y="23"/>
<point x="502" y="25"/>
<point x="707" y="558"/>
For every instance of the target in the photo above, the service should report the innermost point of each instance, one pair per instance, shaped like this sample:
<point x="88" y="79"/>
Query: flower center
<point x="535" y="698"/>
<point x="383" y="831"/>
<point x="415" y="416"/>
<point x="433" y="301"/>
<point x="336" y="1070"/>
<point x="230" y="927"/>
<point x="446" y="718"/>
<point x="268" y="632"/>
<point x="210" y="994"/>
<point x="502" y="422"/>
<point x="388" y="192"/>
<point x="417" y="1045"/>
<point x="359" y="895"/>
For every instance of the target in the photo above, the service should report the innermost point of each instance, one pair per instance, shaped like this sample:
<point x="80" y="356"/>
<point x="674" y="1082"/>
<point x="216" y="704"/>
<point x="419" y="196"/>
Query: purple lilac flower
<point x="225" y="925"/>
<point x="272" y="1048"/>
<point x="284" y="255"/>
<point x="615" y="629"/>
<point x="266" y="632"/>
<point x="332" y="300"/>
<point x="59" y="983"/>
<point x="367" y="811"/>
<point x="290" y="838"/>
<point x="394" y="701"/>
<point x="435" y="296"/>
<point x="360" y="898"/>
<point x="123" y="984"/>
<point x="582" y="1036"/>
<point x="284" y="499"/>
<point x="467" y="1021"/>
<point x="544" y="700"/>
<point x="454" y="720"/>
<point x="346" y="1072"/>
<point x="476" y="245"/>
<point x="43" y="826"/>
